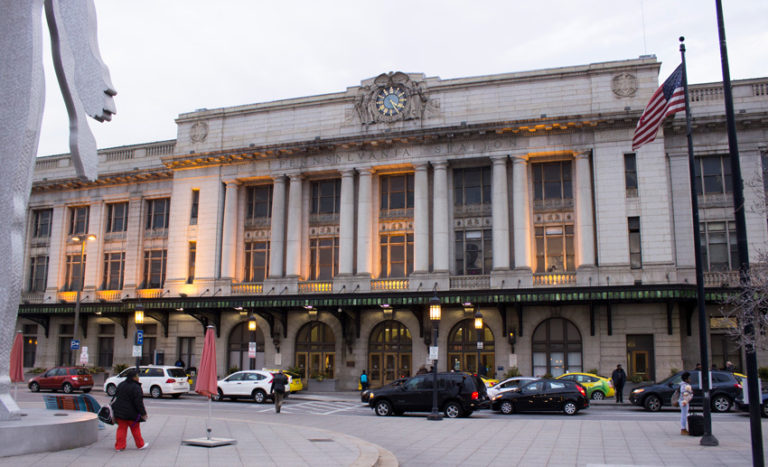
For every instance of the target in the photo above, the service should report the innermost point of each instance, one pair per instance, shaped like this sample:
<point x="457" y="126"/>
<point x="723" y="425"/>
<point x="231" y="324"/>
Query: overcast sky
<point x="174" y="56"/>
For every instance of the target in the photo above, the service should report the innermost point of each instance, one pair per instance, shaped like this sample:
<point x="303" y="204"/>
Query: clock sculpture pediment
<point x="391" y="97"/>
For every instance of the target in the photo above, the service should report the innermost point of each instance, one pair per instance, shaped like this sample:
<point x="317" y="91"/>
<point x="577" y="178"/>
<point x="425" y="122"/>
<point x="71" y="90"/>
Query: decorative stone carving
<point x="624" y="85"/>
<point x="412" y="99"/>
<point x="199" y="132"/>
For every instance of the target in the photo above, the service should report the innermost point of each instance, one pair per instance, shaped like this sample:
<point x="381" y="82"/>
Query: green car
<point x="598" y="387"/>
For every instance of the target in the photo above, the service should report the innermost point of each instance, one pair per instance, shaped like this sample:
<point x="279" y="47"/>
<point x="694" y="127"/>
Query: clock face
<point x="391" y="100"/>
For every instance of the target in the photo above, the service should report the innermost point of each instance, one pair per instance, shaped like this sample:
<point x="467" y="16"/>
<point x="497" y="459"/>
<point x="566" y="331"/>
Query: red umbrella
<point x="17" y="359"/>
<point x="207" y="382"/>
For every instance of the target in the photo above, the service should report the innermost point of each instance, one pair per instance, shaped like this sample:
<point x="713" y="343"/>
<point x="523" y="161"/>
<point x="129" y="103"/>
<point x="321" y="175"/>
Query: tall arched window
<point x="316" y="350"/>
<point x="237" y="348"/>
<point x="556" y="348"/>
<point x="389" y="353"/>
<point x="463" y="349"/>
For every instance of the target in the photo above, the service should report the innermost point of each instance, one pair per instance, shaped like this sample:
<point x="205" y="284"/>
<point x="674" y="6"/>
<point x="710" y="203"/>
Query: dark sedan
<point x="725" y="389"/>
<point x="744" y="405"/>
<point x="545" y="395"/>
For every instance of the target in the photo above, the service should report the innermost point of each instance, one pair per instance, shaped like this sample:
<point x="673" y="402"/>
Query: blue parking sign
<point x="139" y="337"/>
<point x="74" y="344"/>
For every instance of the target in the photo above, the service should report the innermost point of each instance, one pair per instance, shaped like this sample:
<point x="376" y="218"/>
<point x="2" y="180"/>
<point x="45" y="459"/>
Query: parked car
<point x="366" y="395"/>
<point x="508" y="384"/>
<point x="155" y="381"/>
<point x="544" y="395"/>
<point x="598" y="387"/>
<point x="458" y="395"/>
<point x="66" y="378"/>
<point x="294" y="379"/>
<point x="489" y="382"/>
<point x="247" y="384"/>
<point x="725" y="389"/>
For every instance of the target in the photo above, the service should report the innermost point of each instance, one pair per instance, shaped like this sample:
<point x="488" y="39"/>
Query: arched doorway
<point x="556" y="348"/>
<point x="389" y="353"/>
<point x="316" y="350"/>
<point x="237" y="348"/>
<point x="462" y="349"/>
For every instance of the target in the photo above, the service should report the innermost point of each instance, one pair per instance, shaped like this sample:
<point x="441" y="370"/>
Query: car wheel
<point x="452" y="410"/>
<point x="219" y="396"/>
<point x="67" y="388"/>
<point x="598" y="396"/>
<point x="155" y="392"/>
<point x="652" y="403"/>
<point x="383" y="408"/>
<point x="86" y="390"/>
<point x="259" y="396"/>
<point x="34" y="387"/>
<point x="176" y="396"/>
<point x="507" y="408"/>
<point x="570" y="408"/>
<point x="111" y="389"/>
<point x="721" y="403"/>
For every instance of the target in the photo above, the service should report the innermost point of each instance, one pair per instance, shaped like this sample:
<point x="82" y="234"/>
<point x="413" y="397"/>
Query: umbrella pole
<point x="208" y="426"/>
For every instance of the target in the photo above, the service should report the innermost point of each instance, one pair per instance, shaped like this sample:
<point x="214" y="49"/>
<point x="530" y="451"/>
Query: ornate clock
<point x="390" y="101"/>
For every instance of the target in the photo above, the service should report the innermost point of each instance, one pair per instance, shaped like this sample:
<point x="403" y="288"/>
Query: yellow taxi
<point x="296" y="384"/>
<point x="489" y="382"/>
<point x="598" y="387"/>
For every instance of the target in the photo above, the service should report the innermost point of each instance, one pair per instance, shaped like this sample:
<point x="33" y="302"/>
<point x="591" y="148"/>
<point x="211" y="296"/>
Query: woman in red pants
<point x="128" y="411"/>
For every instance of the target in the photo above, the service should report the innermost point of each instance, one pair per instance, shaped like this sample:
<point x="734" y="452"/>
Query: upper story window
<point x="114" y="269"/>
<point x="258" y="201"/>
<point x="117" y="217"/>
<point x="713" y="174"/>
<point x="396" y="192"/>
<point x="472" y="186"/>
<point x="474" y="254"/>
<point x="195" y="206"/>
<point x="38" y="274"/>
<point x="326" y="196"/>
<point x="256" y="261"/>
<point x="73" y="279"/>
<point x="396" y="254"/>
<point x="554" y="248"/>
<point x="78" y="220"/>
<point x="552" y="181"/>
<point x="630" y="174"/>
<point x="154" y="268"/>
<point x="635" y="245"/>
<point x="719" y="247"/>
<point x="41" y="223"/>
<point x="158" y="212"/>
<point x="323" y="258"/>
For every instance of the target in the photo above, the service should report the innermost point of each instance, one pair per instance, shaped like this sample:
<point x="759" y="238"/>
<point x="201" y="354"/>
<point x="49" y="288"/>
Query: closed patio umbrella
<point x="17" y="362"/>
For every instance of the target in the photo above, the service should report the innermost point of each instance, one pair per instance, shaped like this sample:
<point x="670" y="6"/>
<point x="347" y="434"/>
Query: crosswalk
<point x="317" y="408"/>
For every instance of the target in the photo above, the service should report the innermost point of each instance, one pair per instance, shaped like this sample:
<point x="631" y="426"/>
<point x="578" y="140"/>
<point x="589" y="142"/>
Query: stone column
<point x="347" y="223"/>
<point x="521" y="212"/>
<point x="293" y="228"/>
<point x="420" y="219"/>
<point x="441" y="229"/>
<point x="277" y="238"/>
<point x="585" y="225"/>
<point x="500" y="212"/>
<point x="364" y="213"/>
<point x="229" y="231"/>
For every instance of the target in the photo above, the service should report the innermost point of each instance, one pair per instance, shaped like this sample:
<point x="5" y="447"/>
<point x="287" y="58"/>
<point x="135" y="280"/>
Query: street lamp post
<point x="479" y="333"/>
<point x="434" y="315"/>
<point x="138" y="317"/>
<point x="252" y="341"/>
<point x="82" y="239"/>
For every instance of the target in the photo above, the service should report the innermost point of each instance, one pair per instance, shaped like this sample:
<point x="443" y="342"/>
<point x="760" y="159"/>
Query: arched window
<point x="556" y="348"/>
<point x="316" y="350"/>
<point x="463" y="349"/>
<point x="237" y="348"/>
<point x="389" y="353"/>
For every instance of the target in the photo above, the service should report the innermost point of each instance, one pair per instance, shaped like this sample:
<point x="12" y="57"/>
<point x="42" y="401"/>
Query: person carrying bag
<point x="128" y="411"/>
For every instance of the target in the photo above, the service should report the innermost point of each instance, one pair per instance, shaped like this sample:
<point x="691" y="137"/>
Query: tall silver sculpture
<point x="87" y="90"/>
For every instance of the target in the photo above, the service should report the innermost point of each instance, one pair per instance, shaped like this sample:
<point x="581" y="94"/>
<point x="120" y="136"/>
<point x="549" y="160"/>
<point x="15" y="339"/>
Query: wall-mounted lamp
<point x="252" y="323"/>
<point x="387" y="311"/>
<point x="469" y="308"/>
<point x="138" y="314"/>
<point x="312" y="311"/>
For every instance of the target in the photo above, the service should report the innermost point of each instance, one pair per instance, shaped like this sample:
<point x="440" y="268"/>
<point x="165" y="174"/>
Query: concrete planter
<point x="326" y="385"/>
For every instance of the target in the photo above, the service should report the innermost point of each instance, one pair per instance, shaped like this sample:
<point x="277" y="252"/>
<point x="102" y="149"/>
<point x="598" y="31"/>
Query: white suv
<point x="155" y="381"/>
<point x="253" y="384"/>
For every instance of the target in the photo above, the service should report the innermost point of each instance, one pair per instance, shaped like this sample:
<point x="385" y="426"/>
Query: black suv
<point x="458" y="395"/>
<point x="725" y="388"/>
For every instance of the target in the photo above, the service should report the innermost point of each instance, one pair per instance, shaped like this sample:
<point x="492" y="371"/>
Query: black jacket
<point x="619" y="377"/>
<point x="129" y="401"/>
<point x="279" y="382"/>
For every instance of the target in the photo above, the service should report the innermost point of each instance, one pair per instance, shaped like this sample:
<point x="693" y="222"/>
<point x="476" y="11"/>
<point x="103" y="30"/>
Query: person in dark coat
<point x="128" y="411"/>
<point x="619" y="378"/>
<point x="279" y="382"/>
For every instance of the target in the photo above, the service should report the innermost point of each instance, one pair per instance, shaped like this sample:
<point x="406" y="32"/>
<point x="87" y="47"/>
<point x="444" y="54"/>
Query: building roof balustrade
<point x="470" y="282"/>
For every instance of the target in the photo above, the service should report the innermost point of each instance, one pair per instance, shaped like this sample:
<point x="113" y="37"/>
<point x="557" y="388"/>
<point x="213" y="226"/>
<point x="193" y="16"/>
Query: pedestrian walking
<point x="364" y="381"/>
<point x="128" y="411"/>
<point x="684" y="400"/>
<point x="422" y="370"/>
<point x="279" y="382"/>
<point x="619" y="378"/>
<point x="729" y="367"/>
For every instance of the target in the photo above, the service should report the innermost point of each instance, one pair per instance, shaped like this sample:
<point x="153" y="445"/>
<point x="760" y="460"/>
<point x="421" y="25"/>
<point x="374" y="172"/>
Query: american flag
<point x="668" y="99"/>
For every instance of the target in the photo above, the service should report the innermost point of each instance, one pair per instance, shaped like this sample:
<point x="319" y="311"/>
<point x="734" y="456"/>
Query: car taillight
<point x="738" y="385"/>
<point x="581" y="391"/>
<point x="475" y="395"/>
<point x="270" y="380"/>
<point x="170" y="380"/>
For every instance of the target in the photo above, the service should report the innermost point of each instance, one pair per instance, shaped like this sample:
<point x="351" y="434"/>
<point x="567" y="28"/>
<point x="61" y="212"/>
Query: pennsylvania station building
<point x="333" y="221"/>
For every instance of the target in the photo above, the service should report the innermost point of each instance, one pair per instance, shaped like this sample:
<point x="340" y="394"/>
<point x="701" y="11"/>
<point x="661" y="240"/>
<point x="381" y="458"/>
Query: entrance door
<point x="640" y="356"/>
<point x="315" y="364"/>
<point x="639" y="363"/>
<point x="390" y="367"/>
<point x="374" y="369"/>
<point x="301" y="362"/>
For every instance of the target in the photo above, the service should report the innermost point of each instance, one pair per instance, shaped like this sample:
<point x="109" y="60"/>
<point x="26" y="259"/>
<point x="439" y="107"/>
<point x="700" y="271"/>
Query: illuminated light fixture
<point x="180" y="309"/>
<point x="478" y="320"/>
<point x="252" y="323"/>
<point x="312" y="311"/>
<point x="468" y="308"/>
<point x="240" y="310"/>
<point x="78" y="238"/>
<point x="387" y="310"/>
<point x="435" y="308"/>
<point x="138" y="315"/>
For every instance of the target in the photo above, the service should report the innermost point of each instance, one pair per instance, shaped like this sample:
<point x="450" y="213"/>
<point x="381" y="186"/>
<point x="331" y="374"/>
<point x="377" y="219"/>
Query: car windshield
<point x="176" y="373"/>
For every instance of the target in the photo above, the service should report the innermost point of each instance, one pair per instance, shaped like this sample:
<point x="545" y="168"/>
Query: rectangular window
<point x="117" y="217"/>
<point x="157" y="213"/>
<point x="326" y="197"/>
<point x="149" y="345"/>
<point x="187" y="352"/>
<point x="256" y="261"/>
<point x="106" y="351"/>
<point x="323" y="258"/>
<point x="396" y="192"/>
<point x="474" y="253"/>
<point x="258" y="201"/>
<point x="66" y="332"/>
<point x="38" y="273"/>
<point x="191" y="262"/>
<point x="73" y="276"/>
<point x="30" y="345"/>
<point x="114" y="267"/>
<point x="635" y="251"/>
<point x="552" y="181"/>
<point x="195" y="206"/>
<point x="554" y="248"/>
<point x="719" y="248"/>
<point x="78" y="220"/>
<point x="41" y="223"/>
<point x="154" y="269"/>
<point x="713" y="174"/>
<point x="472" y="186"/>
<point x="630" y="174"/>
<point x="396" y="255"/>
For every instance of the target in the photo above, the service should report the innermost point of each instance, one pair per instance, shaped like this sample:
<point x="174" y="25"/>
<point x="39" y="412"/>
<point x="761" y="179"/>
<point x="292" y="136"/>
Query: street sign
<point x="74" y="344"/>
<point x="84" y="356"/>
<point x="139" y="337"/>
<point x="251" y="350"/>
<point x="137" y="351"/>
<point x="479" y="345"/>
<point x="433" y="352"/>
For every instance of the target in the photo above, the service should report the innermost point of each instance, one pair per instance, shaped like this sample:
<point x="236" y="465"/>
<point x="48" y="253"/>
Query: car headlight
<point x="638" y="391"/>
<point x="370" y="396"/>
<point x="497" y="397"/>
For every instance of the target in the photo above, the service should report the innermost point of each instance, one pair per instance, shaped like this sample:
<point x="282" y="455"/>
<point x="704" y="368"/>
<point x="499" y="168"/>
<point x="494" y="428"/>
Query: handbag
<point x="676" y="398"/>
<point x="105" y="413"/>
